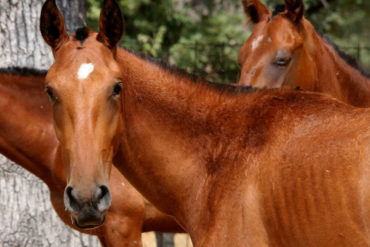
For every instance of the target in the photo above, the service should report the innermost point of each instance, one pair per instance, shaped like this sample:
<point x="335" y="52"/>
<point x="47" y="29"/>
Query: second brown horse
<point x="285" y="51"/>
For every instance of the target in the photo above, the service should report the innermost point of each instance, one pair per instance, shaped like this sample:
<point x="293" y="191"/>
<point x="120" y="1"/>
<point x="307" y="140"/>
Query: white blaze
<point x="257" y="42"/>
<point x="85" y="70"/>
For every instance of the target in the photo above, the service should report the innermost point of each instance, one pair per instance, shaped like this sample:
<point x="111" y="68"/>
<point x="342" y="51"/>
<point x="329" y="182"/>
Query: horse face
<point x="84" y="85"/>
<point x="274" y="49"/>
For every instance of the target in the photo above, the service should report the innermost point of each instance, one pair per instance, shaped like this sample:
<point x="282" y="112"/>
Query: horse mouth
<point x="88" y="226"/>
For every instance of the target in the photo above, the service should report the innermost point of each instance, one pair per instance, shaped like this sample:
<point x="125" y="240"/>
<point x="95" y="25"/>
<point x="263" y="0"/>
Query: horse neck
<point x="26" y="131"/>
<point x="338" y="78"/>
<point x="167" y="135"/>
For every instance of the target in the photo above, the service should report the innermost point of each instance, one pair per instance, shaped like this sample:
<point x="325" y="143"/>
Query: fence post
<point x="223" y="61"/>
<point x="164" y="239"/>
<point x="196" y="58"/>
<point x="358" y="51"/>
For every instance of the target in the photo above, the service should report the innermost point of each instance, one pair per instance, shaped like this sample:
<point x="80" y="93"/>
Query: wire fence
<point x="360" y="52"/>
<point x="222" y="63"/>
<point x="219" y="61"/>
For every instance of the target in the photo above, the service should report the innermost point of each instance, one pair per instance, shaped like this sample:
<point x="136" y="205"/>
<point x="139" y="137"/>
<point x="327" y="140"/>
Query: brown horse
<point x="285" y="51"/>
<point x="266" y="168"/>
<point x="33" y="145"/>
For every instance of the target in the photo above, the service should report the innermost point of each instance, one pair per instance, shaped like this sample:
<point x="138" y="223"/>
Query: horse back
<point x="299" y="172"/>
<point x="313" y="174"/>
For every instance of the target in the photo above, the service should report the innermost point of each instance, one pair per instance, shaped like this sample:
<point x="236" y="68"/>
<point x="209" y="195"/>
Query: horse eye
<point x="117" y="89"/>
<point x="282" y="61"/>
<point x="49" y="92"/>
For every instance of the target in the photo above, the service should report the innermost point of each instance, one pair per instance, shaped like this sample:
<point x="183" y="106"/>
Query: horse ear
<point x="295" y="9"/>
<point x="111" y="24"/>
<point x="52" y="25"/>
<point x="255" y="10"/>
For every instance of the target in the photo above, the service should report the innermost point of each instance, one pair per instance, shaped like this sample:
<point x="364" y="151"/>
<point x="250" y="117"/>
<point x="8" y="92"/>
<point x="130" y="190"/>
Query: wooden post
<point x="164" y="239"/>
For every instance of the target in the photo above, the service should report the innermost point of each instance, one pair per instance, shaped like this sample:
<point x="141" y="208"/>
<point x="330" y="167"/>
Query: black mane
<point x="222" y="87"/>
<point x="350" y="60"/>
<point x="23" y="71"/>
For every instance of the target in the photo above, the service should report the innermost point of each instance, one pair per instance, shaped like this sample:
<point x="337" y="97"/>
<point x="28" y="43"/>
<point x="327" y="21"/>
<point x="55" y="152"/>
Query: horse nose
<point x="71" y="199"/>
<point x="101" y="199"/>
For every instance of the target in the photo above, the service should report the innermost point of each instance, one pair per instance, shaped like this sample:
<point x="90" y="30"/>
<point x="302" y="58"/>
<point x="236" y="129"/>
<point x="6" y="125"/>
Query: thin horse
<point x="33" y="145"/>
<point x="285" y="51"/>
<point x="265" y="168"/>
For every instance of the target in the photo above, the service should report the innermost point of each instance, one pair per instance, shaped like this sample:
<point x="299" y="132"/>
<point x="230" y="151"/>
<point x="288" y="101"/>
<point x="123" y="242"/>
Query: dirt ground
<point x="181" y="240"/>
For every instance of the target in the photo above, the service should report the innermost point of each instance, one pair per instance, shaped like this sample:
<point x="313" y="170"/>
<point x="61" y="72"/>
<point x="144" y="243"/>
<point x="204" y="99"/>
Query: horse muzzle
<point x="85" y="212"/>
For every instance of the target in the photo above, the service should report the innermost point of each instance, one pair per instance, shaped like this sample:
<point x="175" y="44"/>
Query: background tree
<point x="26" y="215"/>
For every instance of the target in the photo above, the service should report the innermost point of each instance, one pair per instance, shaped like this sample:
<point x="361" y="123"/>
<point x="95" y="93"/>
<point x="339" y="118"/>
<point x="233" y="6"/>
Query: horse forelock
<point x="81" y="34"/>
<point x="279" y="8"/>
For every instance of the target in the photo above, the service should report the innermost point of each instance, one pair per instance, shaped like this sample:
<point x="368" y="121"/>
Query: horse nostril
<point x="100" y="192"/>
<point x="102" y="198"/>
<point x="70" y="199"/>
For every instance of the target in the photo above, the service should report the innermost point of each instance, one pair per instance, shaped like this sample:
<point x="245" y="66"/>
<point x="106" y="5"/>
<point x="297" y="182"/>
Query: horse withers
<point x="234" y="166"/>
<point x="285" y="51"/>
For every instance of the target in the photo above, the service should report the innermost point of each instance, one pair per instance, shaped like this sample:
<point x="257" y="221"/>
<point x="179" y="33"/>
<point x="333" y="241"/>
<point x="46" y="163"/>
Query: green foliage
<point x="210" y="46"/>
<point x="204" y="36"/>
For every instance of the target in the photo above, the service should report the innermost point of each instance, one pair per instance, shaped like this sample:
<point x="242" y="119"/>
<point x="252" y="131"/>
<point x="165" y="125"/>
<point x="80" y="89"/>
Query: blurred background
<point x="200" y="36"/>
<point x="204" y="36"/>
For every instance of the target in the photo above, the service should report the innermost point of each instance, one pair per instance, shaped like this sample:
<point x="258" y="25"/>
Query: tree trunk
<point x="26" y="215"/>
<point x="21" y="43"/>
<point x="74" y="13"/>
